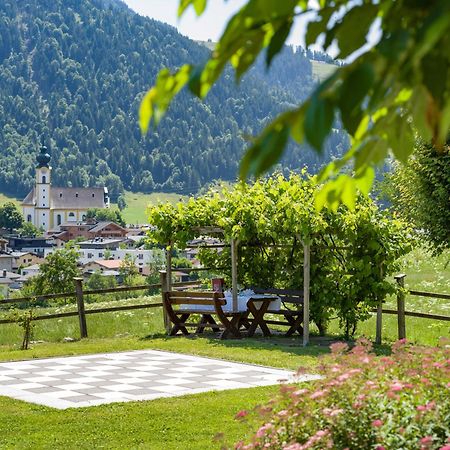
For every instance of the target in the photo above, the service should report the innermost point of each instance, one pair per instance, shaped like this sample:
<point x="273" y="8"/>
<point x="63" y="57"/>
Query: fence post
<point x="379" y="325"/>
<point x="80" y="307"/>
<point x="164" y="288"/>
<point x="400" y="279"/>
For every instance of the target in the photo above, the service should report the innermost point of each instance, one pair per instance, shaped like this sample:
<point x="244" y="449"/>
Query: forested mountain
<point x="75" y="71"/>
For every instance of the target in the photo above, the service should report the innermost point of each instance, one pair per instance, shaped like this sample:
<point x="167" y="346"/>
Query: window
<point x="58" y="219"/>
<point x="29" y="218"/>
<point x="100" y="255"/>
<point x="93" y="195"/>
<point x="89" y="255"/>
<point x="60" y="195"/>
<point x="140" y="256"/>
<point x="83" y="218"/>
<point x="71" y="214"/>
<point x="76" y="195"/>
<point x="44" y="179"/>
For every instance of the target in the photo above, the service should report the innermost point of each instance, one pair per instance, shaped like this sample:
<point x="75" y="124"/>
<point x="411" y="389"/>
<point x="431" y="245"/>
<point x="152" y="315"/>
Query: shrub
<point x="362" y="402"/>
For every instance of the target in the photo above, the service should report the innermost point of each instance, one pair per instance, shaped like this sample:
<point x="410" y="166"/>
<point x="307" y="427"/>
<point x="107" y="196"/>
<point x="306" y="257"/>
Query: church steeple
<point x="43" y="158"/>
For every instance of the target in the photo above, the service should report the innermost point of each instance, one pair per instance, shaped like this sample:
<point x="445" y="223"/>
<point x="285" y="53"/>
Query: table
<point x="258" y="313"/>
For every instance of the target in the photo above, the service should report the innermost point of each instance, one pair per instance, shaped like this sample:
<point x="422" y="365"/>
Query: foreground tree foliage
<point x="353" y="252"/>
<point x="362" y="402"/>
<point x="385" y="95"/>
<point x="420" y="192"/>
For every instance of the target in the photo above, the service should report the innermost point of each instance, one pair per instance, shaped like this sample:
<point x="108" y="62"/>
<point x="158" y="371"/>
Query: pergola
<point x="234" y="245"/>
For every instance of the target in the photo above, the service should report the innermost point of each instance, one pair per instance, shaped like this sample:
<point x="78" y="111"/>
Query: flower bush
<point x="363" y="401"/>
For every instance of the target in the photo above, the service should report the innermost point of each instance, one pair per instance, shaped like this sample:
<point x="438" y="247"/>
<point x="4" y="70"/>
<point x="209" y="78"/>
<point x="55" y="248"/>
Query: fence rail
<point x="79" y="295"/>
<point x="401" y="313"/>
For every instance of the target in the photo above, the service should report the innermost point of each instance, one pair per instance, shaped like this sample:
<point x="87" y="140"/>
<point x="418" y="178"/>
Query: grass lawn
<point x="188" y="422"/>
<point x="137" y="203"/>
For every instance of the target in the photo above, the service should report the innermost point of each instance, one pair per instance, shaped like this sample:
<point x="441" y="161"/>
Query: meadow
<point x="137" y="204"/>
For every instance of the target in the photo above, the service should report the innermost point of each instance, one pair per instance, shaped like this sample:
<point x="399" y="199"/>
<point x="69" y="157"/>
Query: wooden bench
<point x="181" y="305"/>
<point x="292" y="309"/>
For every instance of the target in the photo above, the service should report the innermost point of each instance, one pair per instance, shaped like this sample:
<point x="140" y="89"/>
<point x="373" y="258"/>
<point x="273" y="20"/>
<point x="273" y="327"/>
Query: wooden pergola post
<point x="169" y="266"/>
<point x="234" y="273"/>
<point x="306" y="282"/>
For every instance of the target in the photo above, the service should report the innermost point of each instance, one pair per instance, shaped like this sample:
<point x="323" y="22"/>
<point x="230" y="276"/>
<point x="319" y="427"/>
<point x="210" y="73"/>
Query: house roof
<point x="101" y="225"/>
<point x="71" y="198"/>
<point x="100" y="242"/>
<point x="5" y="274"/>
<point x="111" y="264"/>
<point x="33" y="267"/>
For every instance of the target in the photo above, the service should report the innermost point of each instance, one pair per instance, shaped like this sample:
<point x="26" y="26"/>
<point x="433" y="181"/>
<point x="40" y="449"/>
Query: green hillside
<point x="322" y="70"/>
<point x="75" y="71"/>
<point x="137" y="203"/>
<point x="5" y="198"/>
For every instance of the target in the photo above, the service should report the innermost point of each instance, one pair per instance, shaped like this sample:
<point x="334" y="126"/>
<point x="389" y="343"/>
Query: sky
<point x="213" y="21"/>
<point x="209" y="26"/>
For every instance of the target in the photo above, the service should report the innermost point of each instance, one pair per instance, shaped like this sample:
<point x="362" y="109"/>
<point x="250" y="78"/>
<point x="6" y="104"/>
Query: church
<point x="48" y="207"/>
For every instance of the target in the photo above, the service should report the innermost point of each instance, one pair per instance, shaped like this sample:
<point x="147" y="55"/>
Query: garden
<point x="399" y="390"/>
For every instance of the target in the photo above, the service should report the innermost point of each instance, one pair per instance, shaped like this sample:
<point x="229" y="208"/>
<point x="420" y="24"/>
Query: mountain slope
<point x="75" y="71"/>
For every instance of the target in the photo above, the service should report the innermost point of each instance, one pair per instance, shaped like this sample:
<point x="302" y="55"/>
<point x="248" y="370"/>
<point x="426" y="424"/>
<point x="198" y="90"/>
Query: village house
<point x="88" y="230"/>
<point x="40" y="246"/>
<point x="25" y="259"/>
<point x="48" y="206"/>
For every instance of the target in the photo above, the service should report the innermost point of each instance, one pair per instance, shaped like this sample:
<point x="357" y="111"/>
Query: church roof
<point x="71" y="198"/>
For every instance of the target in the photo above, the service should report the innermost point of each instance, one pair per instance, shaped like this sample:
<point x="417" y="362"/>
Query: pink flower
<point x="262" y="431"/>
<point x="380" y="447"/>
<point x="283" y="413"/>
<point x="295" y="446"/>
<point x="397" y="386"/>
<point x="338" y="347"/>
<point x="377" y="423"/>
<point x="299" y="392"/>
<point x="241" y="414"/>
<point x="318" y="394"/>
<point x="426" y="440"/>
<point x="429" y="406"/>
<point x="445" y="447"/>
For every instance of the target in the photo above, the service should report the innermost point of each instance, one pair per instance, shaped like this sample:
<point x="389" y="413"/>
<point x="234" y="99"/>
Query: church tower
<point x="43" y="178"/>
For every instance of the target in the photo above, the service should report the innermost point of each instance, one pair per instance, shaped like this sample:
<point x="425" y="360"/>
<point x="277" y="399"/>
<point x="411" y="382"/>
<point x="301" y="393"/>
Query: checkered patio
<point x="93" y="380"/>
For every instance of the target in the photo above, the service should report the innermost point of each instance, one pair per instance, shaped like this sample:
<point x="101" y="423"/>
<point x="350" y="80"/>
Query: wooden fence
<point x="402" y="313"/>
<point x="79" y="293"/>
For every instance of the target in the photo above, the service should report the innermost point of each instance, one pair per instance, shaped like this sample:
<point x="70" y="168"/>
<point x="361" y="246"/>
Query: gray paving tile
<point x="90" y="380"/>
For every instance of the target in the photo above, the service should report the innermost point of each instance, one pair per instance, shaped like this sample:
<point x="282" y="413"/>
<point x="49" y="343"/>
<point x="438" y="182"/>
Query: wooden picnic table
<point x="258" y="313"/>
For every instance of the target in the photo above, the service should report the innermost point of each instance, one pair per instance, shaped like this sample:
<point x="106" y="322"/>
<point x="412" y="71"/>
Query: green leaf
<point x="199" y="6"/>
<point x="371" y="152"/>
<point x="364" y="179"/>
<point x="313" y="32"/>
<point x="352" y="31"/>
<point x="278" y="40"/>
<point x="400" y="138"/>
<point x="266" y="150"/>
<point x="156" y="101"/>
<point x="354" y="89"/>
<point x="318" y="121"/>
<point x="420" y="101"/>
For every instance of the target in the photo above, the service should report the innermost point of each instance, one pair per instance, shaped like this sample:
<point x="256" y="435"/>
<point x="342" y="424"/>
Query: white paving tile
<point x="90" y="380"/>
